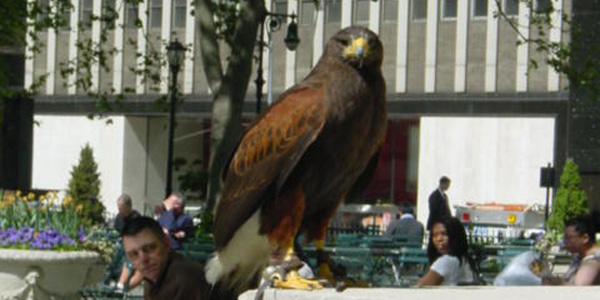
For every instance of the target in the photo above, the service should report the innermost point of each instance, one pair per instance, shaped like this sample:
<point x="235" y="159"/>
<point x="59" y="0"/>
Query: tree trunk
<point x="230" y="88"/>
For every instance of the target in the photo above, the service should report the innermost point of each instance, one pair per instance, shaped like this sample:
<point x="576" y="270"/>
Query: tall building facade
<point x="462" y="101"/>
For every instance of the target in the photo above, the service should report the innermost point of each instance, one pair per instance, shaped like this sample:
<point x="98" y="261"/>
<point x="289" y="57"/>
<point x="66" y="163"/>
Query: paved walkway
<point x="445" y="293"/>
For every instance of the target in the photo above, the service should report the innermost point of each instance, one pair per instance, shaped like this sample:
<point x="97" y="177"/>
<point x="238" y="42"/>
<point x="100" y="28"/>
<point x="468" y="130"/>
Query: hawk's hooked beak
<point x="358" y="49"/>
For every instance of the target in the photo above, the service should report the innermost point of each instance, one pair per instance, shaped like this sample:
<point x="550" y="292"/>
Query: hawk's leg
<point x="292" y="279"/>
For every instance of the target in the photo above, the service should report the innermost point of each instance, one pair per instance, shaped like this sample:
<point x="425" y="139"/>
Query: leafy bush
<point x="570" y="200"/>
<point x="84" y="187"/>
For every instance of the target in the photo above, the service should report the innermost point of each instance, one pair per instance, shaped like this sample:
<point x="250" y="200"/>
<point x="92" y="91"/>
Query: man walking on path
<point x="438" y="202"/>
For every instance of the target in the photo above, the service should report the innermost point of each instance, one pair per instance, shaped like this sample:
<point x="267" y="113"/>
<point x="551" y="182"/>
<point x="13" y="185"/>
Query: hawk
<point x="316" y="146"/>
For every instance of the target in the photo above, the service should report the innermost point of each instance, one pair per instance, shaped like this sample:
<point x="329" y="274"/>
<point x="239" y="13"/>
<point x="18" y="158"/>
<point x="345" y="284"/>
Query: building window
<point x="280" y="7"/>
<point x="449" y="9"/>
<point x="480" y="8"/>
<point x="109" y="14"/>
<point x="511" y="7"/>
<point x="179" y="13"/>
<point x="86" y="10"/>
<point x="64" y="12"/>
<point x="419" y="10"/>
<point x="390" y="11"/>
<point x="542" y="6"/>
<point x="132" y="16"/>
<point x="155" y="13"/>
<point x="361" y="12"/>
<point x="44" y="10"/>
<point x="334" y="11"/>
<point x="307" y="14"/>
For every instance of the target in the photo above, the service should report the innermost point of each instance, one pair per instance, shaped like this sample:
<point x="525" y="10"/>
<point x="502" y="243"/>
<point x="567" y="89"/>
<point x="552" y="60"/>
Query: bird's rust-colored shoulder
<point x="283" y="128"/>
<point x="265" y="157"/>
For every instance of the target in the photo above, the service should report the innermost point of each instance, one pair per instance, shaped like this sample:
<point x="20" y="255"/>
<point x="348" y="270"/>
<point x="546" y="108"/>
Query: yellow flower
<point x="31" y="196"/>
<point x="11" y="200"/>
<point x="67" y="200"/>
<point x="43" y="209"/>
<point x="79" y="208"/>
<point x="18" y="193"/>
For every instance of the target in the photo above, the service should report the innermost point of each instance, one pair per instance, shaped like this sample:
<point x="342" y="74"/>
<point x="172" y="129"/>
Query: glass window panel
<point x="86" y="12"/>
<point x="280" y="7"/>
<point x="308" y="12"/>
<point x="449" y="9"/>
<point x="155" y="13"/>
<point x="511" y="7"/>
<point x="390" y="11"/>
<point x="361" y="12"/>
<point x="480" y="8"/>
<point x="65" y="16"/>
<point x="44" y="10"/>
<point x="334" y="11"/>
<point x="543" y="5"/>
<point x="109" y="15"/>
<point x="419" y="9"/>
<point x="179" y="13"/>
<point x="132" y="15"/>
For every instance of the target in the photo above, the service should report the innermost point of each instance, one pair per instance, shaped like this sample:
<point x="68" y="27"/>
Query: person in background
<point x="447" y="253"/>
<point x="438" y="202"/>
<point x="126" y="212"/>
<point x="580" y="240"/>
<point x="129" y="277"/>
<point x="406" y="225"/>
<point x="167" y="274"/>
<point x="177" y="225"/>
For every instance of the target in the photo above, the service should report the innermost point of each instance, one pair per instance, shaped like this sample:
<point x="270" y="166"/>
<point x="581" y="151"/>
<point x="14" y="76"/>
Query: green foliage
<point x="560" y="56"/>
<point x="193" y="178"/>
<point x="103" y="240"/>
<point x="84" y="187"/>
<point x="570" y="200"/>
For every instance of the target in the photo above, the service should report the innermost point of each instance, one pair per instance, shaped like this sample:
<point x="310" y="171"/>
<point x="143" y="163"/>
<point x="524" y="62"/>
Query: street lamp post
<point x="291" y="41"/>
<point x="175" y="55"/>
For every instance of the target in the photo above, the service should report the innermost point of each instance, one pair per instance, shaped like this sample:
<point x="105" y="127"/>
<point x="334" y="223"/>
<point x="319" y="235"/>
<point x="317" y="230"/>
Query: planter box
<point x="34" y="274"/>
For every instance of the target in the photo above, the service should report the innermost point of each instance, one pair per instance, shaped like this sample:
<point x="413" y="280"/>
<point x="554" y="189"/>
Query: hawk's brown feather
<point x="268" y="151"/>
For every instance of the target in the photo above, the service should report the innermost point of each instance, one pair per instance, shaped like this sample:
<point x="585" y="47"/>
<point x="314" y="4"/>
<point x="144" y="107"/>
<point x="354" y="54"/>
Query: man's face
<point x="177" y="207"/>
<point x="575" y="242"/>
<point x="124" y="210"/>
<point x="147" y="252"/>
<point x="445" y="186"/>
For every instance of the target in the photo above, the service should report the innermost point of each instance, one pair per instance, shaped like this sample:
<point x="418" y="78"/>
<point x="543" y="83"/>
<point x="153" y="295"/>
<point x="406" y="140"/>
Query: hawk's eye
<point x="343" y="42"/>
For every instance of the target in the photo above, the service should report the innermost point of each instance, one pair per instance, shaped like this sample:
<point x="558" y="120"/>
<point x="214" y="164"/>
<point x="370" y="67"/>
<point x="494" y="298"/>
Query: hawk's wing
<point x="265" y="157"/>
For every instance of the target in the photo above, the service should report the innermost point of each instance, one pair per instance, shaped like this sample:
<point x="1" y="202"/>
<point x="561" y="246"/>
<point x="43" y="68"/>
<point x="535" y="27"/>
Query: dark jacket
<point x="174" y="224"/>
<point x="120" y="221"/>
<point x="182" y="279"/>
<point x="438" y="207"/>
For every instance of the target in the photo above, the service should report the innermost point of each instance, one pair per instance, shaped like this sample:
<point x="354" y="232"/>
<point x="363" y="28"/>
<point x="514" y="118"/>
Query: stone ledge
<point x="446" y="293"/>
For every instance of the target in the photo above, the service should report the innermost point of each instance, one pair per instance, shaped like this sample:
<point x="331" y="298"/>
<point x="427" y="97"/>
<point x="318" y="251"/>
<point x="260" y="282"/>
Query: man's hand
<point x="179" y="234"/>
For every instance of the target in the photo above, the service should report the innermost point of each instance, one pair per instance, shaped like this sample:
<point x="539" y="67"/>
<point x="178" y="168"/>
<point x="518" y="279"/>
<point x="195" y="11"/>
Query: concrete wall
<point x="487" y="159"/>
<point x="57" y="141"/>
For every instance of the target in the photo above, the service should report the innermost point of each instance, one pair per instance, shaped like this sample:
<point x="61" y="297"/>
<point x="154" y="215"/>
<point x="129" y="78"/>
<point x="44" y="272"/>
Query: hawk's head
<point x="358" y="46"/>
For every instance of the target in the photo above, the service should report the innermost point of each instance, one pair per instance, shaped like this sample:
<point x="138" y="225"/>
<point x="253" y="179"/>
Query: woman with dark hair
<point x="447" y="253"/>
<point x="580" y="240"/>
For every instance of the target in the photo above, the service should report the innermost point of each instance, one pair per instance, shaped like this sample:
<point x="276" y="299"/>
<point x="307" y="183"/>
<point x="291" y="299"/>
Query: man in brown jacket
<point x="167" y="274"/>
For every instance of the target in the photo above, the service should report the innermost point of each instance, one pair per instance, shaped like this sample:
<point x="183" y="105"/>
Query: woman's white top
<point x="452" y="270"/>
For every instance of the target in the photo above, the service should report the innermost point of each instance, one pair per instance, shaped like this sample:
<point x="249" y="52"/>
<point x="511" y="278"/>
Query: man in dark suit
<point x="438" y="202"/>
<point x="406" y="225"/>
